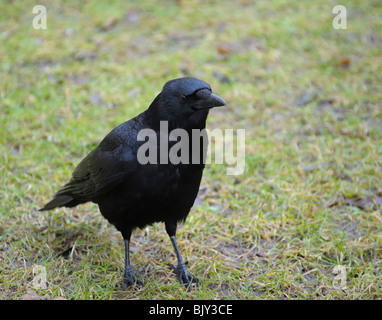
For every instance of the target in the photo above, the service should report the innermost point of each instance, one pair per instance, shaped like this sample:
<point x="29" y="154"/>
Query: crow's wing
<point x="100" y="171"/>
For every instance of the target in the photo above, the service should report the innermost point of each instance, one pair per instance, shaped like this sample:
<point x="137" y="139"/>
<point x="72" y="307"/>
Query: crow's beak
<point x="215" y="101"/>
<point x="209" y="100"/>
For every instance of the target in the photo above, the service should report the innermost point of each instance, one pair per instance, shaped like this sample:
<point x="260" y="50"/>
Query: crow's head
<point x="191" y="93"/>
<point x="187" y="98"/>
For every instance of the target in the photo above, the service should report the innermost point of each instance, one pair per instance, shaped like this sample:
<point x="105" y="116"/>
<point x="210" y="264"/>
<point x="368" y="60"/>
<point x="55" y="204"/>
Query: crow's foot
<point x="184" y="277"/>
<point x="130" y="280"/>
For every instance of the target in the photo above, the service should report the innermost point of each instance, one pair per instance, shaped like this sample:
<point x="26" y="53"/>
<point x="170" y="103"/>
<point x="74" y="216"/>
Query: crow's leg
<point x="129" y="277"/>
<point x="182" y="274"/>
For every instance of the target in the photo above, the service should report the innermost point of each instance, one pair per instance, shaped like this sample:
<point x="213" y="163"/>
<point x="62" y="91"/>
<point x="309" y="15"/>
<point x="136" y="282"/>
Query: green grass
<point x="309" y="97"/>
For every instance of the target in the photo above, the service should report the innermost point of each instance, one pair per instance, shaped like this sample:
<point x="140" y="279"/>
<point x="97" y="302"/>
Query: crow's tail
<point x="60" y="201"/>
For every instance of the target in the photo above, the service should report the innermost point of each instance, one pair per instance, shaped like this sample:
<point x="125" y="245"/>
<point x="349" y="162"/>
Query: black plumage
<point x="133" y="195"/>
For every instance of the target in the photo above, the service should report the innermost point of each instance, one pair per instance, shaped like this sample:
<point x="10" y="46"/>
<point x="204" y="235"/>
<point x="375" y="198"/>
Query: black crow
<point x="131" y="194"/>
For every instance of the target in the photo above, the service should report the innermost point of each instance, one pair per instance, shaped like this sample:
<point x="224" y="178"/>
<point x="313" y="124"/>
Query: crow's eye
<point x="183" y="97"/>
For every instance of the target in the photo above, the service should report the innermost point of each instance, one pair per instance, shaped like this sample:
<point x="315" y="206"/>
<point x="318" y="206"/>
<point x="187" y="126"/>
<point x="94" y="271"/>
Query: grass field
<point x="308" y="96"/>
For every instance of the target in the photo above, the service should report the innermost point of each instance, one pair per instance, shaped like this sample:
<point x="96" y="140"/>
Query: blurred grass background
<point x="308" y="95"/>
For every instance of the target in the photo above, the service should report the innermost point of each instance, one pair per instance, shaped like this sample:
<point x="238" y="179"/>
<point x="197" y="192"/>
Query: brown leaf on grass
<point x="229" y="48"/>
<point x="224" y="48"/>
<point x="344" y="63"/>
<point x="32" y="295"/>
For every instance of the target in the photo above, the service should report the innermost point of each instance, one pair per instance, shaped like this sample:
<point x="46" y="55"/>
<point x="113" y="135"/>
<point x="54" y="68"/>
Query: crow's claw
<point x="130" y="280"/>
<point x="184" y="277"/>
